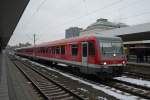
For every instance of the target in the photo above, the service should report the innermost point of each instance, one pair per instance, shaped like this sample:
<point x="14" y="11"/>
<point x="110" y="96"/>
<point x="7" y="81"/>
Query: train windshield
<point x="111" y="48"/>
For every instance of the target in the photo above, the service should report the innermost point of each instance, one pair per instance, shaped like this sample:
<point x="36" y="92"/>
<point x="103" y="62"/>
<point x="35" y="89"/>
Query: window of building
<point x="74" y="48"/>
<point x="91" y="48"/>
<point x="63" y="49"/>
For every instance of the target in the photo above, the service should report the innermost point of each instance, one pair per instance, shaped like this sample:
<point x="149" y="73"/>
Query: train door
<point x="84" y="53"/>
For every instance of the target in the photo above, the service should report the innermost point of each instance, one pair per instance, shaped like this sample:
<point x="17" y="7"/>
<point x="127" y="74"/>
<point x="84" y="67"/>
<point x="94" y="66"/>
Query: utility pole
<point x="34" y="39"/>
<point x="34" y="44"/>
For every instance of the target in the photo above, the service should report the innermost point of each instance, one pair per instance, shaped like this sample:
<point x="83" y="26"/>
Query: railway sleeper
<point x="52" y="88"/>
<point x="45" y="88"/>
<point x="46" y="85"/>
<point x="67" y="98"/>
<point x="58" y="97"/>
<point x="54" y="93"/>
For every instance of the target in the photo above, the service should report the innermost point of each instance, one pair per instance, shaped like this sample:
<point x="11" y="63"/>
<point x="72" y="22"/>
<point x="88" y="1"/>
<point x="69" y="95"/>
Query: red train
<point x="97" y="55"/>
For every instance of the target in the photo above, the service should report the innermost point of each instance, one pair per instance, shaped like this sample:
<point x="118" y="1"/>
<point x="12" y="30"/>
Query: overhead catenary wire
<point x="79" y="17"/>
<point x="136" y="15"/>
<point x="133" y="17"/>
<point x="90" y="13"/>
<point x="35" y="12"/>
<point x="99" y="9"/>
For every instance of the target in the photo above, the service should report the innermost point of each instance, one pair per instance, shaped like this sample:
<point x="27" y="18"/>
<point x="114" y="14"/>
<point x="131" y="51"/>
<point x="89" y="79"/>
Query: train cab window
<point x="63" y="49"/>
<point x="91" y="48"/>
<point x="74" y="48"/>
<point x="57" y="50"/>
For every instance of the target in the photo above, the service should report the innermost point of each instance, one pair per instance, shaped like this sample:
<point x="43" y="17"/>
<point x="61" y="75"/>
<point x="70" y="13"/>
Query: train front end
<point x="112" y="58"/>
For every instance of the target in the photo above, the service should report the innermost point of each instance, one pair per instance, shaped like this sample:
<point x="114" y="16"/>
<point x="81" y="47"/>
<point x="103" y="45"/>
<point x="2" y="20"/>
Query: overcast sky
<point x="48" y="19"/>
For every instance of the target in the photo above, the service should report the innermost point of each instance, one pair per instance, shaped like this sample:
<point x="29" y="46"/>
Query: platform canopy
<point x="131" y="33"/>
<point x="10" y="13"/>
<point x="136" y="36"/>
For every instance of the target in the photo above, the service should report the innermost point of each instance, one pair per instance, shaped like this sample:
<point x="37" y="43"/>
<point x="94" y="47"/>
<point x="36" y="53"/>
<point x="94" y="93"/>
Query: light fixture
<point x="105" y="63"/>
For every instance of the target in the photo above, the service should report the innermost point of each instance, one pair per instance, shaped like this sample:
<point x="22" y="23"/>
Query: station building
<point x="102" y="25"/>
<point x="72" y="32"/>
<point x="98" y="26"/>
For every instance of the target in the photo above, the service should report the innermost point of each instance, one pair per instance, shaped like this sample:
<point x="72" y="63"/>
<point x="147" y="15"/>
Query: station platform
<point x="3" y="80"/>
<point x="139" y="64"/>
<point x="13" y="85"/>
<point x="143" y="68"/>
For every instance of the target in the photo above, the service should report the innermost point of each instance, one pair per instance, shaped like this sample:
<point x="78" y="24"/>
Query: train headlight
<point x="105" y="63"/>
<point x="114" y="55"/>
<point x="123" y="62"/>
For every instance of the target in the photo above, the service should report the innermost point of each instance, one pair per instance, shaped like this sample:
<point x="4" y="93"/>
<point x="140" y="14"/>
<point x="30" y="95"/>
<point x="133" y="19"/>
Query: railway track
<point x="49" y="88"/>
<point x="127" y="87"/>
<point x="137" y="75"/>
<point x="134" y="89"/>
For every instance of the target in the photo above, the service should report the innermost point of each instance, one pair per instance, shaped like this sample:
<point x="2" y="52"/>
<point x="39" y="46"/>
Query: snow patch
<point x="62" y="64"/>
<point x="101" y="98"/>
<point x="82" y="89"/>
<point x="134" y="81"/>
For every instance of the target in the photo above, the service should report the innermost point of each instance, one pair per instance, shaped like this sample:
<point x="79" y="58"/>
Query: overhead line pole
<point x="34" y="44"/>
<point x="34" y="39"/>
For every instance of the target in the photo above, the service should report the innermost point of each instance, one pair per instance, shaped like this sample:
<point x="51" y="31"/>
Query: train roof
<point x="24" y="47"/>
<point x="62" y="41"/>
<point x="80" y="38"/>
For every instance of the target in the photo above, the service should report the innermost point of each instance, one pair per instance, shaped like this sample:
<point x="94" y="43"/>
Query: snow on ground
<point x="82" y="89"/>
<point x="108" y="90"/>
<point x="134" y="81"/>
<point x="62" y="64"/>
<point x="18" y="57"/>
<point x="101" y="98"/>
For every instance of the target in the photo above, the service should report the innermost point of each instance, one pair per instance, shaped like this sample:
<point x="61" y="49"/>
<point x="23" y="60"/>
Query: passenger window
<point x="91" y="48"/>
<point x="50" y="51"/>
<point x="46" y="50"/>
<point x="74" y="48"/>
<point x="57" y="50"/>
<point x="53" y="50"/>
<point x="38" y="50"/>
<point x="62" y="49"/>
<point x="41" y="50"/>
